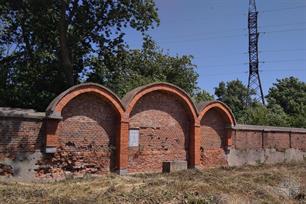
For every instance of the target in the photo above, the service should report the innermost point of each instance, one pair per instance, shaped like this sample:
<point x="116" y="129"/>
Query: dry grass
<point x="282" y="183"/>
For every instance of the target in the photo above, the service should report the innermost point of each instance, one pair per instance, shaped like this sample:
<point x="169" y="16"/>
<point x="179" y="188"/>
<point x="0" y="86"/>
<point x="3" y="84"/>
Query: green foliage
<point x="261" y="115"/>
<point x="290" y="94"/>
<point x="46" y="46"/>
<point x="128" y="69"/>
<point x="202" y="95"/>
<point x="286" y="103"/>
<point x="235" y="94"/>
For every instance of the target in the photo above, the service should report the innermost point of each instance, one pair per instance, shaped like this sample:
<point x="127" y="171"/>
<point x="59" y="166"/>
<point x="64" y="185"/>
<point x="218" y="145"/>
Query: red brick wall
<point x="259" y="139"/>
<point x="19" y="135"/>
<point x="168" y="124"/>
<point x="277" y="140"/>
<point x="247" y="139"/>
<point x="164" y="126"/>
<point x="87" y="136"/>
<point x="298" y="141"/>
<point x="213" y="139"/>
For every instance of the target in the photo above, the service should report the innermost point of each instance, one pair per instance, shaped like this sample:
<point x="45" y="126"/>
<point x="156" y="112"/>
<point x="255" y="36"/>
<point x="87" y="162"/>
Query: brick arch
<point x="56" y="106"/>
<point x="164" y="116"/>
<point x="215" y="137"/>
<point x="204" y="107"/>
<point x="131" y="98"/>
<point x="86" y="119"/>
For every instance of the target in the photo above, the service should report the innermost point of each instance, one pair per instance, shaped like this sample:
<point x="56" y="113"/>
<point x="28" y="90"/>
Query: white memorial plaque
<point x="133" y="137"/>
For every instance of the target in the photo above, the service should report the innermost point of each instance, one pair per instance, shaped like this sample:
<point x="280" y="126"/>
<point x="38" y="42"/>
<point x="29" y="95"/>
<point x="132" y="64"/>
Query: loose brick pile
<point x="6" y="170"/>
<point x="71" y="163"/>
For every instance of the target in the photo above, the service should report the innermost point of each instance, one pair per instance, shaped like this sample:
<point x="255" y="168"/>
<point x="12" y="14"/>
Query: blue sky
<point x="215" y="33"/>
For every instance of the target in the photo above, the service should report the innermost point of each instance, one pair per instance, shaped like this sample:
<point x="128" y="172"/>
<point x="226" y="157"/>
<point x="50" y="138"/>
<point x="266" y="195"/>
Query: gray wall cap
<point x="268" y="128"/>
<point x="54" y="116"/>
<point x="21" y="113"/>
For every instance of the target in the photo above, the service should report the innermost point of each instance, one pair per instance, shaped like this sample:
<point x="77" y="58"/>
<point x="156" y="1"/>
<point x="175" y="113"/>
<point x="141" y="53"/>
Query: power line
<point x="225" y="55"/>
<point x="237" y="14"/>
<point x="286" y="70"/>
<point x="261" y="51"/>
<point x="276" y="61"/>
<point x="245" y="72"/>
<point x="233" y="31"/>
<point x="281" y="31"/>
<point x="285" y="24"/>
<point x="282" y="9"/>
<point x="229" y="73"/>
<point x="203" y="39"/>
<point x="224" y="65"/>
<point x="229" y="36"/>
<point x="261" y="62"/>
<point x="283" y="50"/>
<point x="208" y="33"/>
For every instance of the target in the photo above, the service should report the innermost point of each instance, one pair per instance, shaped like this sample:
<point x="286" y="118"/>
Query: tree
<point x="261" y="115"/>
<point x="48" y="45"/>
<point x="128" y="69"/>
<point x="202" y="95"/>
<point x="290" y="95"/>
<point x="235" y="95"/>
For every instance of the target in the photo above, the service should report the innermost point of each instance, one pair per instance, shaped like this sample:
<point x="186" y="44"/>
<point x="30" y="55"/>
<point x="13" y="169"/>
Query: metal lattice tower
<point x="254" y="79"/>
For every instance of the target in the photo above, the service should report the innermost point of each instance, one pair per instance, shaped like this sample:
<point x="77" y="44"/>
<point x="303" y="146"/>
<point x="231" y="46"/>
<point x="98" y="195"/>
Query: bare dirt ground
<point x="283" y="183"/>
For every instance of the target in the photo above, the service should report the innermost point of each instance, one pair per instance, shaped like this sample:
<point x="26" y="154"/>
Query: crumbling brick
<point x="6" y="170"/>
<point x="213" y="139"/>
<point x="164" y="125"/>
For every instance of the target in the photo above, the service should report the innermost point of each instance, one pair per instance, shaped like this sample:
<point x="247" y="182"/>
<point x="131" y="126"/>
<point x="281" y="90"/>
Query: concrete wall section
<point x="263" y="144"/>
<point x="264" y="156"/>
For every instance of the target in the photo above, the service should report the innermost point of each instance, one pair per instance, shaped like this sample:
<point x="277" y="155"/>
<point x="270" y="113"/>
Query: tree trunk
<point x="25" y="34"/>
<point x="64" y="50"/>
